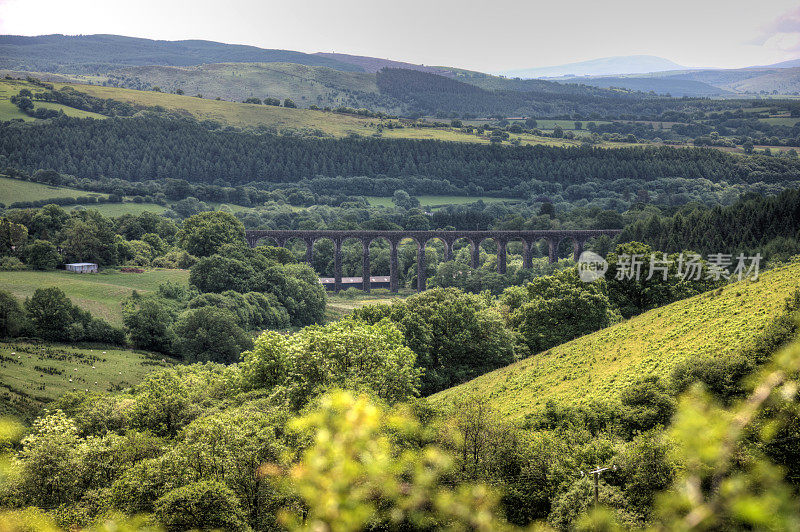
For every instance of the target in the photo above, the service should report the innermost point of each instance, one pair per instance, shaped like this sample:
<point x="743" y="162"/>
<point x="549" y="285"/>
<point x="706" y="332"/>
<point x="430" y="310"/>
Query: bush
<point x="12" y="317"/>
<point x="10" y="264"/>
<point x="51" y="314"/>
<point x="203" y="234"/>
<point x="149" y="323"/>
<point x="210" y="334"/>
<point x="554" y="309"/>
<point x="456" y="336"/>
<point x="219" y="274"/>
<point x="41" y="255"/>
<point x="205" y="505"/>
<point x="346" y="354"/>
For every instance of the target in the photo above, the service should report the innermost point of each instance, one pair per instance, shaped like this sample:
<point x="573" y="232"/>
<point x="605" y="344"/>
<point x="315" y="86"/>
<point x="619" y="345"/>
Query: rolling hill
<point x="599" y="365"/>
<point x="302" y="122"/>
<point x="374" y="64"/>
<point x="306" y="85"/>
<point x="660" y="85"/>
<point x="84" y="54"/>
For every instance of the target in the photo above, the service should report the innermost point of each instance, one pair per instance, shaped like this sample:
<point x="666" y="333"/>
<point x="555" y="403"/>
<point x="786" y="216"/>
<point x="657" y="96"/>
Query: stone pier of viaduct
<point x="448" y="238"/>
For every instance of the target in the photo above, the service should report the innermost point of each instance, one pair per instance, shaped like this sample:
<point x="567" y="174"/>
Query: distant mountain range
<point x="605" y="66"/>
<point x="210" y="68"/>
<point x="88" y="54"/>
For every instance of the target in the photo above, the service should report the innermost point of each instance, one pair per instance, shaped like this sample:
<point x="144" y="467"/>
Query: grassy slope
<point x="9" y="111"/>
<point x="12" y="190"/>
<point x="238" y="114"/>
<point x="100" y="293"/>
<point x="24" y="387"/>
<point x="303" y="121"/>
<point x="238" y="81"/>
<point x="599" y="365"/>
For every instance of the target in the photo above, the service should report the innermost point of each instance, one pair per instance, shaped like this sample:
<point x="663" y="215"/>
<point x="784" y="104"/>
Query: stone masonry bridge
<point x="475" y="238"/>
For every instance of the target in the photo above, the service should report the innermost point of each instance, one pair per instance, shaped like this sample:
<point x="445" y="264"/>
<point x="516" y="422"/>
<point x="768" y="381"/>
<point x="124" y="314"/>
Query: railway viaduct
<point x="448" y="238"/>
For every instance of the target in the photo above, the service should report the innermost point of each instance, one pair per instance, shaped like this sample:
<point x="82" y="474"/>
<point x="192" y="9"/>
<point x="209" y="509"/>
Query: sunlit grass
<point x="599" y="365"/>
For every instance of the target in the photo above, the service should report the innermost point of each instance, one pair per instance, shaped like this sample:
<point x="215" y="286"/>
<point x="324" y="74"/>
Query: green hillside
<point x="12" y="190"/>
<point x="306" y="85"/>
<point x="32" y="374"/>
<point x="599" y="365"/>
<point x="286" y="120"/>
<point x="9" y="111"/>
<point x="90" y="54"/>
<point x="100" y="293"/>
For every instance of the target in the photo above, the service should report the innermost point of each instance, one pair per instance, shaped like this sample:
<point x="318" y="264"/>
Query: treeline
<point x="768" y="225"/>
<point x="78" y="100"/>
<point x="156" y="148"/>
<point x="79" y="200"/>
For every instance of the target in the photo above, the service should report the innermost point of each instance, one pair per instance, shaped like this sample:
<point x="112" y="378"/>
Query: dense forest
<point x="155" y="148"/>
<point x="753" y="224"/>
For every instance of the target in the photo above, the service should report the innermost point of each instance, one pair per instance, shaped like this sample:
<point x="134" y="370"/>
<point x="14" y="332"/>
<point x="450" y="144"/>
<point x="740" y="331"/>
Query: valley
<point x="614" y="369"/>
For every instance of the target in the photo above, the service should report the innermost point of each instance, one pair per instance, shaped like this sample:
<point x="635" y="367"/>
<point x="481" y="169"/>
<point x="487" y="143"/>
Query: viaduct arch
<point x="475" y="238"/>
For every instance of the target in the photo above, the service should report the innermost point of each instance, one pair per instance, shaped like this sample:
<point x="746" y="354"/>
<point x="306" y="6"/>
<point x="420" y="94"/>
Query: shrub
<point x="12" y="317"/>
<point x="11" y="264"/>
<point x="205" y="505"/>
<point x="41" y="255"/>
<point x="456" y="336"/>
<point x="346" y="354"/>
<point x="210" y="334"/>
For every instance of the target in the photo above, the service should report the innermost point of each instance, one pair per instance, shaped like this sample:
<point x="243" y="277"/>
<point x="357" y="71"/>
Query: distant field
<point x="340" y="305"/>
<point x="118" y="209"/>
<point x="427" y="201"/>
<point x="32" y="374"/>
<point x="69" y="111"/>
<point x="100" y="293"/>
<point x="781" y="121"/>
<point x="12" y="190"/>
<point x="599" y="365"/>
<point x="9" y="111"/>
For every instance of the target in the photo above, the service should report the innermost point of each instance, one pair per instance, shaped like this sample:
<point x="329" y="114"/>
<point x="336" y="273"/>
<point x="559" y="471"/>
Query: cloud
<point x="788" y="22"/>
<point x="782" y="34"/>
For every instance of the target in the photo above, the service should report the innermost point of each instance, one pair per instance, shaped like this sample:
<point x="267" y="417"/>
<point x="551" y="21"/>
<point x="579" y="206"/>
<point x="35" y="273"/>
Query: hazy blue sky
<point x="489" y="35"/>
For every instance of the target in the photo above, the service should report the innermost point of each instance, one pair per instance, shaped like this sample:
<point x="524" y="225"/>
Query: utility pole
<point x="596" y="474"/>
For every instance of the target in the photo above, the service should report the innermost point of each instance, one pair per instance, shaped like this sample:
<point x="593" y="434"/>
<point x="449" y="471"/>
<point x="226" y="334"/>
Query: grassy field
<point x="9" y="111"/>
<point x="12" y="190"/>
<point x="599" y="365"/>
<point x="118" y="209"/>
<point x="32" y="374"/>
<point x="100" y="293"/>
<point x="781" y="121"/>
<point x="240" y="114"/>
<point x="434" y="201"/>
<point x="340" y="305"/>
